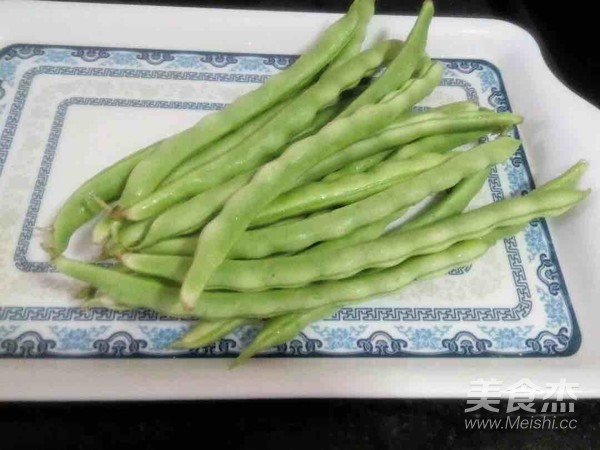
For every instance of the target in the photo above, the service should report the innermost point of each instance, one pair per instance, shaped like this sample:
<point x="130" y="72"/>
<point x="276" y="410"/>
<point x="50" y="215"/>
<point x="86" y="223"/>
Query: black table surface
<point x="564" y="31"/>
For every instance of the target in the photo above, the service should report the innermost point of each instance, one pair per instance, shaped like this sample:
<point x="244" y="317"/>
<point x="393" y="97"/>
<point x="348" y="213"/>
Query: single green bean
<point x="390" y="250"/>
<point x="453" y="203"/>
<point x="402" y="67"/>
<point x="208" y="332"/>
<point x="436" y="135"/>
<point x="150" y="172"/>
<point x="270" y="140"/>
<point x="282" y="329"/>
<point x="126" y="289"/>
<point x="349" y="189"/>
<point x="339" y="222"/>
<point x="365" y="11"/>
<point x="220" y="235"/>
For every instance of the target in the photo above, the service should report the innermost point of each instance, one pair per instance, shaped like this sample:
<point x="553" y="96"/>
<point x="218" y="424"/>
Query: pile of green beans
<point x="295" y="200"/>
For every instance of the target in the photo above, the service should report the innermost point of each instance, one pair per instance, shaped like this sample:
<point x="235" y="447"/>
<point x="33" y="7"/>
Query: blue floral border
<point x="31" y="344"/>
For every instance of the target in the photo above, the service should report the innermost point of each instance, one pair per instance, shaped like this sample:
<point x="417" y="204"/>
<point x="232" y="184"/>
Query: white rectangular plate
<point x="70" y="105"/>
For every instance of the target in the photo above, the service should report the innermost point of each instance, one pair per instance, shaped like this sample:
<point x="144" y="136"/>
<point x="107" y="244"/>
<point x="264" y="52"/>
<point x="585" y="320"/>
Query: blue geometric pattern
<point x="463" y="331"/>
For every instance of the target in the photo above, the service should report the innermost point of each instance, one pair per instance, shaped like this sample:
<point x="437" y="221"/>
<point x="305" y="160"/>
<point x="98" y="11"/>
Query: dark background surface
<point x="565" y="32"/>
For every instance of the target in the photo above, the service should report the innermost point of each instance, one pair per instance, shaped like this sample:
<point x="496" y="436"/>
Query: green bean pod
<point x="208" y="332"/>
<point x="282" y="329"/>
<point x="567" y="180"/>
<point x="365" y="10"/>
<point x="345" y="190"/>
<point x="219" y="235"/>
<point x="453" y="203"/>
<point x="339" y="222"/>
<point x="267" y="142"/>
<point x="402" y="67"/>
<point x="436" y="135"/>
<point x="150" y="173"/>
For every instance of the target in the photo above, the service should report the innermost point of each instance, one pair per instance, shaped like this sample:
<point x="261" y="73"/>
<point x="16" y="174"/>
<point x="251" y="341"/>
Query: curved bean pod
<point x="402" y="67"/>
<point x="282" y="329"/>
<point x="208" y="332"/>
<point x="219" y="236"/>
<point x="365" y="10"/>
<point x="149" y="173"/>
<point x="436" y="135"/>
<point x="126" y="289"/>
<point x="348" y="189"/>
<point x="267" y="142"/>
<point x="453" y="203"/>
<point x="339" y="222"/>
<point x="567" y="180"/>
